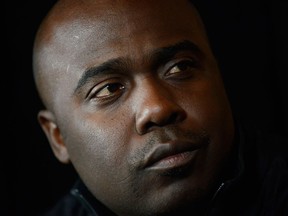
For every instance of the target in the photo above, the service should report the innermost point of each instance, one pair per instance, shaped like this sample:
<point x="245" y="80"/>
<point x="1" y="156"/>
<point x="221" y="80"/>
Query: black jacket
<point x="259" y="186"/>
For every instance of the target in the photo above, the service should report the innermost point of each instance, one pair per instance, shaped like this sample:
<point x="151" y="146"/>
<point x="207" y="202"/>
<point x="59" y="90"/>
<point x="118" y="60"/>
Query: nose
<point x="156" y="107"/>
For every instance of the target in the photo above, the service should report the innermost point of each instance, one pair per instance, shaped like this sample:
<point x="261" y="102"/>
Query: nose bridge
<point x="157" y="106"/>
<point x="154" y="95"/>
<point x="155" y="91"/>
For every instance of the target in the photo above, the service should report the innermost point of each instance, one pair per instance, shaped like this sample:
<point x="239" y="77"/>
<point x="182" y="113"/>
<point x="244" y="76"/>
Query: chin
<point x="179" y="202"/>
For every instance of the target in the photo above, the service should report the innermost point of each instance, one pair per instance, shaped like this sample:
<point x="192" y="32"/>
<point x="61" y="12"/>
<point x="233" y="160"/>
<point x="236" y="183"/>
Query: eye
<point x="109" y="90"/>
<point x="181" y="67"/>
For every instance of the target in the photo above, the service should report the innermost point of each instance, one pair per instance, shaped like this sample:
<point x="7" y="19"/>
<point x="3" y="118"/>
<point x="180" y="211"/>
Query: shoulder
<point x="267" y="162"/>
<point x="273" y="158"/>
<point x="274" y="190"/>
<point x="268" y="148"/>
<point x="68" y="205"/>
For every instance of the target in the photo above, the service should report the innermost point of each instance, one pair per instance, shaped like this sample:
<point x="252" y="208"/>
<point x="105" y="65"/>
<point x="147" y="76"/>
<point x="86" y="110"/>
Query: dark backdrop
<point x="249" y="38"/>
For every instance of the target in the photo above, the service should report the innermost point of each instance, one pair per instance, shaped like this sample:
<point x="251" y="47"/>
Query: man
<point x="135" y="101"/>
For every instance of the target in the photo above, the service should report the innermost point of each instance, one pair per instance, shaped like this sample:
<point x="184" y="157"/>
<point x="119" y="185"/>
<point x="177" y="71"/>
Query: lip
<point x="172" y="155"/>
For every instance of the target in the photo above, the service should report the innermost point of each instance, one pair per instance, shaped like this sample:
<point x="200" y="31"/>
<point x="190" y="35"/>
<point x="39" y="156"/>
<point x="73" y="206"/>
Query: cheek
<point x="98" y="147"/>
<point x="216" y="117"/>
<point x="209" y="107"/>
<point x="206" y="101"/>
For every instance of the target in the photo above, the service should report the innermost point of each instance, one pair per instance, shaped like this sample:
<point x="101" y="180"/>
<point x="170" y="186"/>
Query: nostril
<point x="173" y="118"/>
<point x="178" y="116"/>
<point x="150" y="125"/>
<point x="157" y="110"/>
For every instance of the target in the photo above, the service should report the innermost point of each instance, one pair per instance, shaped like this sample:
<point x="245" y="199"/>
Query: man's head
<point x="134" y="101"/>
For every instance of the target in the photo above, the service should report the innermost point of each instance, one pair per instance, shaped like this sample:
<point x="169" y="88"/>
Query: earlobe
<point x="53" y="134"/>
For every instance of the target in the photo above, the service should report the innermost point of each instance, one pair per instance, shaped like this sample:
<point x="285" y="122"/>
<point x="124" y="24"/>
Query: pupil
<point x="182" y="66"/>
<point x="112" y="87"/>
<point x="185" y="65"/>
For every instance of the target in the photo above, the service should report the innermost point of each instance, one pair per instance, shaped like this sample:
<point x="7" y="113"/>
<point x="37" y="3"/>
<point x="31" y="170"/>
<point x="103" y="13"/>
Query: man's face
<point x="140" y="104"/>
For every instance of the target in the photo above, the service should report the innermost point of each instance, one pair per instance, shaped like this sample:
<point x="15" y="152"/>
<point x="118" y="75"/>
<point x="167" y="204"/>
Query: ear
<point x="53" y="134"/>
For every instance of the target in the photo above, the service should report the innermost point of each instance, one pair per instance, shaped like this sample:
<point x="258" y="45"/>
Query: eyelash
<point x="114" y="93"/>
<point x="189" y="66"/>
<point x="110" y="93"/>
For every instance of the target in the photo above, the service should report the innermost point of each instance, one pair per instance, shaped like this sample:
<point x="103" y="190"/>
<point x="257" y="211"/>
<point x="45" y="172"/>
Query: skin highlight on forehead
<point x="64" y="17"/>
<point x="83" y="47"/>
<point x="71" y="25"/>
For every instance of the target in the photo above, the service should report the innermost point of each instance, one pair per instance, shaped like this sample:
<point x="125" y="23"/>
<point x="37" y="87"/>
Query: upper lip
<point x="171" y="148"/>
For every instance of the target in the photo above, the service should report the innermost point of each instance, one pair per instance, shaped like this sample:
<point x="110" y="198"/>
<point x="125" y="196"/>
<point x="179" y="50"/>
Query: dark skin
<point x="135" y="101"/>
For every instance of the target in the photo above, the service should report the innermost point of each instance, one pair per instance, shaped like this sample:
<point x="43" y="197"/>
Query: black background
<point x="249" y="39"/>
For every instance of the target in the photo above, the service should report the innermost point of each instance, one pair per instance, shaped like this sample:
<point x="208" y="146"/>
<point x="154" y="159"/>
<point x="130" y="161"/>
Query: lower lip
<point x="174" y="161"/>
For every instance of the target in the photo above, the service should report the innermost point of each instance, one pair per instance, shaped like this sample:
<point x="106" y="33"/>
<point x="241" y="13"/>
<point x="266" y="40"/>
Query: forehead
<point x="101" y="28"/>
<point x="86" y="33"/>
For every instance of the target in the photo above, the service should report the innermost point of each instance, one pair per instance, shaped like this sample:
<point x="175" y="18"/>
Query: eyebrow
<point x="157" y="58"/>
<point x="105" y="68"/>
<point x="164" y="54"/>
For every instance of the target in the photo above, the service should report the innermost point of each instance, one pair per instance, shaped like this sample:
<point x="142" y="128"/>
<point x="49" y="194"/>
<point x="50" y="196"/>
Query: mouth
<point x="172" y="155"/>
